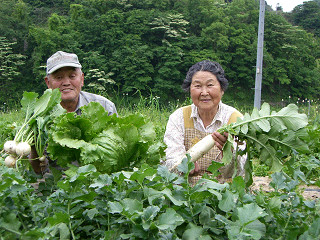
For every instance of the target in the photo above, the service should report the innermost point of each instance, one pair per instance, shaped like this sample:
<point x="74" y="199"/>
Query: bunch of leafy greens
<point x="110" y="143"/>
<point x="270" y="135"/>
<point x="39" y="114"/>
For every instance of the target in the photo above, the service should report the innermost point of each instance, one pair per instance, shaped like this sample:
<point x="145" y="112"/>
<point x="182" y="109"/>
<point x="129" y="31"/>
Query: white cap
<point x="62" y="59"/>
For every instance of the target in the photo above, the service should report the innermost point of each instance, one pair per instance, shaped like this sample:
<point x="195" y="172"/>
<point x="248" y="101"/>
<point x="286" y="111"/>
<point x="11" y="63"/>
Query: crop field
<point x="122" y="191"/>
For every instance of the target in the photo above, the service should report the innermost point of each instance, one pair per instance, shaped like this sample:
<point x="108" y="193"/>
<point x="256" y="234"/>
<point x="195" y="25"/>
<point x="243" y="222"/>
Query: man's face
<point x="69" y="80"/>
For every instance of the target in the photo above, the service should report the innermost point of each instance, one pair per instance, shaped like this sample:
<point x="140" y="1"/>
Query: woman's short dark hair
<point x="206" y="66"/>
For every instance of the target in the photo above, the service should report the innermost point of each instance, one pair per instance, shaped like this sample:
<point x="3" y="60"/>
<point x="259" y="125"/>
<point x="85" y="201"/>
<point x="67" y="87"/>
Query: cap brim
<point x="63" y="65"/>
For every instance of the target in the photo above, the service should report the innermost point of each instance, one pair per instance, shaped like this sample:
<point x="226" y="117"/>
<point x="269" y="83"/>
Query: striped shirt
<point x="85" y="98"/>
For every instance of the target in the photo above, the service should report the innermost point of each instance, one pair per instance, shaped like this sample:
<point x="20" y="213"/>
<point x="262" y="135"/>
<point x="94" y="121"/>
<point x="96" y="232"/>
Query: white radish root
<point x="198" y="150"/>
<point x="10" y="161"/>
<point x="10" y="147"/>
<point x="23" y="149"/>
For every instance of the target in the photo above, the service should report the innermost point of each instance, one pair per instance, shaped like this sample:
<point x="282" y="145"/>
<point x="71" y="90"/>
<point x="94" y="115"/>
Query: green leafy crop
<point x="110" y="143"/>
<point x="270" y="135"/>
<point x="39" y="114"/>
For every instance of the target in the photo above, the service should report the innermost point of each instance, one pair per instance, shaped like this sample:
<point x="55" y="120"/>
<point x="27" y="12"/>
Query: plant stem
<point x="235" y="125"/>
<point x="31" y="207"/>
<point x="10" y="230"/>
<point x="22" y="222"/>
<point x="236" y="162"/>
<point x="287" y="223"/>
<point x="70" y="226"/>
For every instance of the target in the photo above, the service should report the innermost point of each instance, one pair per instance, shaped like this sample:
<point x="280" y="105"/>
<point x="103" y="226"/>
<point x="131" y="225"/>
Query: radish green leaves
<point x="273" y="135"/>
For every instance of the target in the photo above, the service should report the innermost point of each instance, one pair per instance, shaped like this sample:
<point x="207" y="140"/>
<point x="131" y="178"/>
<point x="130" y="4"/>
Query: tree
<point x="231" y="35"/>
<point x="59" y="35"/>
<point x="307" y="15"/>
<point x="10" y="81"/>
<point x="290" y="62"/>
<point x="149" y="45"/>
<point x="15" y="21"/>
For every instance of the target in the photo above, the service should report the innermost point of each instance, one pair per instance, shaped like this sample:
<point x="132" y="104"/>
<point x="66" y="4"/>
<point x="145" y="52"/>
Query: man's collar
<point x="80" y="104"/>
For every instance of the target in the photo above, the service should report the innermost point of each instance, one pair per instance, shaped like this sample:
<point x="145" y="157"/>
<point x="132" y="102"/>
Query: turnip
<point x="23" y="149"/>
<point x="10" y="161"/>
<point x="198" y="150"/>
<point x="10" y="147"/>
<point x="39" y="114"/>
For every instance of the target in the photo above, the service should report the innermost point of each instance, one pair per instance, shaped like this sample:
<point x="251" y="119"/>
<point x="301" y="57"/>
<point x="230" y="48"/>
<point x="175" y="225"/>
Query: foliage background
<point x="145" y="47"/>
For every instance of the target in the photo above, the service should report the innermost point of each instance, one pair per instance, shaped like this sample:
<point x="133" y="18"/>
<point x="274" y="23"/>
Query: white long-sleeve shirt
<point x="174" y="134"/>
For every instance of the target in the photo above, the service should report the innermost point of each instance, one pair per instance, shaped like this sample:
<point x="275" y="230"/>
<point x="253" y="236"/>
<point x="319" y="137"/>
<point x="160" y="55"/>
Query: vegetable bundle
<point x="110" y="143"/>
<point x="39" y="113"/>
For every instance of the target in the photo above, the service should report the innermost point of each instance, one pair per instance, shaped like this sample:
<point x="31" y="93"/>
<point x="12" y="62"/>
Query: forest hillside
<point x="133" y="47"/>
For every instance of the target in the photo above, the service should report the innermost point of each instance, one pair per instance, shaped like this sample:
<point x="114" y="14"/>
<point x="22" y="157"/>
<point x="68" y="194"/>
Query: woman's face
<point x="205" y="91"/>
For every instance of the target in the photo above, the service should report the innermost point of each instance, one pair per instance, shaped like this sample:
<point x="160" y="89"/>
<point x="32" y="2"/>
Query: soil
<point x="309" y="192"/>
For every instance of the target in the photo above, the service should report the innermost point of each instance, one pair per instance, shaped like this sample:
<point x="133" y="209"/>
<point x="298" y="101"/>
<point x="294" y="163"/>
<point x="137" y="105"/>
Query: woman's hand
<point x="196" y="169"/>
<point x="219" y="139"/>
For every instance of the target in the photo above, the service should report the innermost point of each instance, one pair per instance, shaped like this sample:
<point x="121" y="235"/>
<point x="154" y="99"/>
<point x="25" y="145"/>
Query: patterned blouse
<point x="175" y="131"/>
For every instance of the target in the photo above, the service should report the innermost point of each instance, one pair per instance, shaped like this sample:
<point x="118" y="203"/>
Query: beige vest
<point x="192" y="136"/>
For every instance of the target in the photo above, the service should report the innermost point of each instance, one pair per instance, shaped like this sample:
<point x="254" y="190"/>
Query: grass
<point x="9" y="121"/>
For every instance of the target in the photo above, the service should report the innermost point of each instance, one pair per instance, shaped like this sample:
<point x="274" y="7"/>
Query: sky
<point x="287" y="5"/>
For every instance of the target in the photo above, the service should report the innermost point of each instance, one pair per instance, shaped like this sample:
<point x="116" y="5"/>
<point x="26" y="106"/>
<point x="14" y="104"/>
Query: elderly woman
<point x="187" y="125"/>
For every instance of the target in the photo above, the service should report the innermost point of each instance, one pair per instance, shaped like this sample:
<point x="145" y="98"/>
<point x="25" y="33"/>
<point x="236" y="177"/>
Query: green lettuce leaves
<point x="110" y="143"/>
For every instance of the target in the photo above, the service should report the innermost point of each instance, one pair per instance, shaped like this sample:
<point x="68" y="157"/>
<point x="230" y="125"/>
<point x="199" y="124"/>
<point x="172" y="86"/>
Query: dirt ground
<point x="308" y="192"/>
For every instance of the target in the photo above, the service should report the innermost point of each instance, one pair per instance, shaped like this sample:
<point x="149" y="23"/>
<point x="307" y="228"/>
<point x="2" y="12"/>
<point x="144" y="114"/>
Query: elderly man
<point x="64" y="72"/>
